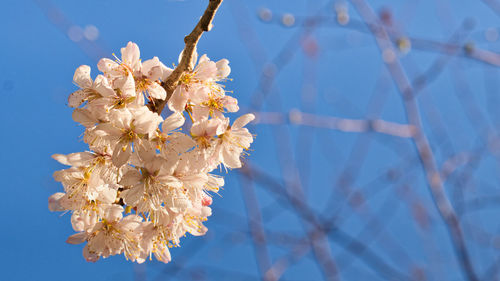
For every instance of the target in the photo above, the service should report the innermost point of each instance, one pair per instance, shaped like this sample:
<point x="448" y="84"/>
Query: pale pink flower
<point x="233" y="141"/>
<point x="128" y="127"/>
<point x="111" y="236"/>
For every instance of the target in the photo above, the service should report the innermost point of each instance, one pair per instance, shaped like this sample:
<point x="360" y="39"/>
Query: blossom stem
<point x="186" y="63"/>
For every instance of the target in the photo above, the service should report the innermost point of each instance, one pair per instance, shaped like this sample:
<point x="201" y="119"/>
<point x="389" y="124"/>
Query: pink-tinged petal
<point x="113" y="213"/>
<point x="181" y="142"/>
<point x="172" y="122"/>
<point x="131" y="55"/>
<point x="77" y="238"/>
<point x="74" y="159"/>
<point x="200" y="113"/>
<point x="231" y="158"/>
<point x="199" y="128"/>
<point x="195" y="180"/>
<point x="82" y="77"/>
<point x="132" y="196"/>
<point x="220" y="126"/>
<point x="170" y="181"/>
<point x="58" y="175"/>
<point x="206" y="211"/>
<point x="77" y="98"/>
<point x="55" y="202"/>
<point x="107" y="129"/>
<point x="121" y="118"/>
<point x="121" y="154"/>
<point x="102" y="86"/>
<point x="152" y="69"/>
<point x="223" y="68"/>
<point x="61" y="158"/>
<point x="78" y="223"/>
<point x="200" y="95"/>
<point x="132" y="177"/>
<point x="230" y="103"/>
<point x="84" y="117"/>
<point x="107" y="195"/>
<point x="91" y="257"/>
<point x="146" y="155"/>
<point x="109" y="67"/>
<point x="178" y="100"/>
<point x="243" y="120"/>
<point x="197" y="229"/>
<point x="131" y="223"/>
<point x="145" y="121"/>
<point x="206" y="70"/>
<point x="156" y="91"/>
<point x="126" y="84"/>
<point x="162" y="254"/>
<point x="203" y="59"/>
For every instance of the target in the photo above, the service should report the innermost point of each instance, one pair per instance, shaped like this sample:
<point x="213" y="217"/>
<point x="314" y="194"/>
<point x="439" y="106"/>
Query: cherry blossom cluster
<point x="144" y="183"/>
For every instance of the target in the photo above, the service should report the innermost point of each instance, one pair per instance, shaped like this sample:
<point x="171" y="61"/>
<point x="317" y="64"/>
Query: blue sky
<point x="43" y="42"/>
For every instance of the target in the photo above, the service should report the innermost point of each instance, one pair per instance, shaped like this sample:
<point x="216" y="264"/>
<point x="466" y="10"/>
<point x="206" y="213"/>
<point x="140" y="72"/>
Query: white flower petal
<point x="174" y="121"/>
<point x="121" y="154"/>
<point x="82" y="77"/>
<point x="243" y="120"/>
<point x="77" y="238"/>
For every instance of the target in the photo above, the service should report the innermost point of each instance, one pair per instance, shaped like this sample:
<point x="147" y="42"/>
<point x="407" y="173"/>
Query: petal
<point x="82" y="77"/>
<point x="126" y="84"/>
<point x="121" y="154"/>
<point x="77" y="238"/>
<point x="77" y="98"/>
<point x="131" y="55"/>
<point x="152" y="69"/>
<point x="156" y="91"/>
<point x="55" y="202"/>
<point x="172" y="122"/>
<point x="145" y="121"/>
<point x="178" y="100"/>
<point x="92" y="257"/>
<point x="132" y="196"/>
<point x="243" y="120"/>
<point x="113" y="213"/>
<point x="223" y="68"/>
<point x="74" y="159"/>
<point x="107" y="195"/>
<point x="84" y="117"/>
<point x="109" y="67"/>
<point x="206" y="70"/>
<point x="102" y="86"/>
<point x="132" y="177"/>
<point x="230" y="103"/>
<point x="231" y="158"/>
<point x="107" y="129"/>
<point x="162" y="254"/>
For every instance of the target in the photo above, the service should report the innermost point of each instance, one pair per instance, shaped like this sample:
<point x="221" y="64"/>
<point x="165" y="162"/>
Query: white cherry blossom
<point x="145" y="182"/>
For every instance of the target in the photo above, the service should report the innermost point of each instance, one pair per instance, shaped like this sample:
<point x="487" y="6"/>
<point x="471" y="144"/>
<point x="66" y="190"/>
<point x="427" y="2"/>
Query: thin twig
<point x="186" y="63"/>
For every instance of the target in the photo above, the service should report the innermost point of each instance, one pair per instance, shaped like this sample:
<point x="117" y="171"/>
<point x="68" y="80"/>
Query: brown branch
<point x="186" y="63"/>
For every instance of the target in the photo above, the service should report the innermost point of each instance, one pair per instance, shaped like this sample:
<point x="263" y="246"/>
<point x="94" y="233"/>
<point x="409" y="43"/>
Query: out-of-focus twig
<point x="297" y="117"/>
<point x="421" y="142"/>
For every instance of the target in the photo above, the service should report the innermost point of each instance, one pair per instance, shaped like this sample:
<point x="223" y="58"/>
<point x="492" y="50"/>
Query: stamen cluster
<point x="144" y="183"/>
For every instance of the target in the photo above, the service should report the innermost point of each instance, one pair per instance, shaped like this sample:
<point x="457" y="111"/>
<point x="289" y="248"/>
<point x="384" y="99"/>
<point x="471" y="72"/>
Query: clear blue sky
<point x="43" y="42"/>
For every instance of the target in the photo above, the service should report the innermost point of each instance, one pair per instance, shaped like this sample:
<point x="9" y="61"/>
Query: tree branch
<point x="186" y="63"/>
